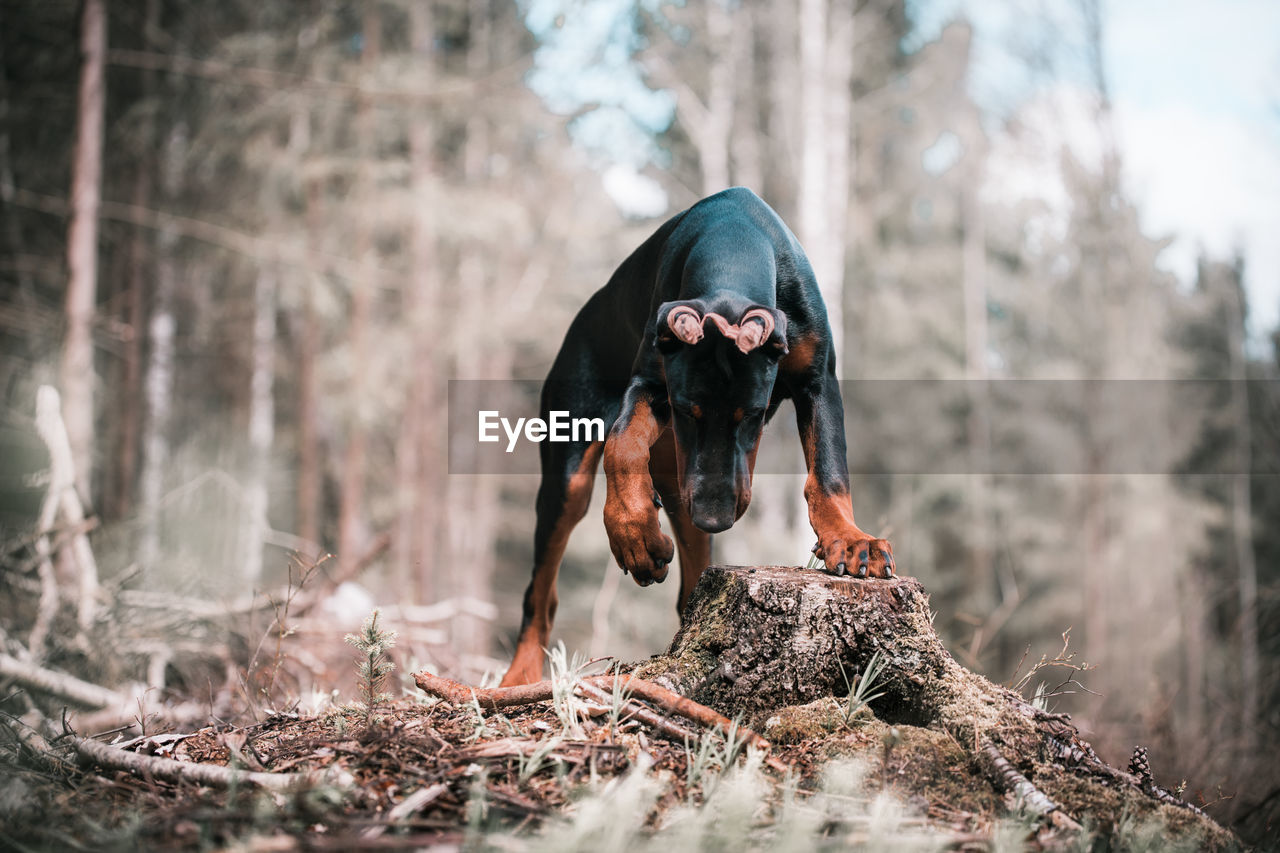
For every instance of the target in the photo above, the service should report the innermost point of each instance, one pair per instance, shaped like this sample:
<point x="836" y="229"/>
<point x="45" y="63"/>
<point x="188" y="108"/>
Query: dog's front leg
<point x="841" y="545"/>
<point x="630" y="510"/>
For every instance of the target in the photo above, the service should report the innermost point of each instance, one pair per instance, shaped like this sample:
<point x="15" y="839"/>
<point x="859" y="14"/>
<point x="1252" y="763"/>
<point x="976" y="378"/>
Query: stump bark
<point x="758" y="638"/>
<point x="755" y="640"/>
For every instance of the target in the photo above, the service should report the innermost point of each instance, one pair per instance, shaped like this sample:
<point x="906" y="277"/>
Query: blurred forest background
<point x="303" y="220"/>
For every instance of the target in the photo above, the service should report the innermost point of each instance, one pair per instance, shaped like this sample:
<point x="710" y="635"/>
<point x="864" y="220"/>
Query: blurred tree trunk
<point x="158" y="384"/>
<point x="782" y="123"/>
<point x="1195" y="635"/>
<point x="745" y="143"/>
<point x="417" y="449"/>
<point x="826" y="73"/>
<point x="714" y="135"/>
<point x="77" y="375"/>
<point x="308" y="482"/>
<point x="826" y="34"/>
<point x="474" y="499"/>
<point x="135" y="306"/>
<point x="1242" y="512"/>
<point x="973" y="279"/>
<point x="351" y="533"/>
<point x="261" y="424"/>
<point x="1099" y="284"/>
<point x="130" y="410"/>
<point x="12" y="230"/>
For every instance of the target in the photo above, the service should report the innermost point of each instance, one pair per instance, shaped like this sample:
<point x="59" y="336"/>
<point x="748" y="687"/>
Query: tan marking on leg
<point x="692" y="544"/>
<point x="526" y="666"/>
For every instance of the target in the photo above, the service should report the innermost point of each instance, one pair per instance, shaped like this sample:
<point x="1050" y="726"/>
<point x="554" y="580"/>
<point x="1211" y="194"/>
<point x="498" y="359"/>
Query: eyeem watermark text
<point x="561" y="427"/>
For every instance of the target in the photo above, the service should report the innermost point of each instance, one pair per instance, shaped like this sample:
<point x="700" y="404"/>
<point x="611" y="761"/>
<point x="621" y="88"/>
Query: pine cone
<point x="1139" y="765"/>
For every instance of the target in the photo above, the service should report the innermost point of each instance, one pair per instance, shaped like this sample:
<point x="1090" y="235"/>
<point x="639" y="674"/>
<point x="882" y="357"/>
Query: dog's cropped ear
<point x="775" y="345"/>
<point x="677" y="324"/>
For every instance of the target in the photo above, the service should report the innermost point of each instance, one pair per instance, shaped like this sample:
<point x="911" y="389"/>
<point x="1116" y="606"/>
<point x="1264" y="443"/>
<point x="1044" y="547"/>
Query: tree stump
<point x="755" y="640"/>
<point x="758" y="638"/>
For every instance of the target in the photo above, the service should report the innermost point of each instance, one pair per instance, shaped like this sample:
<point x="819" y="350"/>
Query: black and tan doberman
<point x="687" y="352"/>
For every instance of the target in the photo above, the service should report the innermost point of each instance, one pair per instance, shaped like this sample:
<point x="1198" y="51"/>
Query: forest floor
<point x="549" y="776"/>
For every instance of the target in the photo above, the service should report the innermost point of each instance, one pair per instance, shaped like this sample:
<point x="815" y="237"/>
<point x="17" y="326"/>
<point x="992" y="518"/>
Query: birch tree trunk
<point x="811" y="201"/>
<point x="745" y="143"/>
<point x="77" y="377"/>
<point x="713" y="142"/>
<point x="838" y="187"/>
<point x="826" y="29"/>
<point x="826" y="70"/>
<point x="158" y="384"/>
<point x="309" y="482"/>
<point x="261" y="426"/>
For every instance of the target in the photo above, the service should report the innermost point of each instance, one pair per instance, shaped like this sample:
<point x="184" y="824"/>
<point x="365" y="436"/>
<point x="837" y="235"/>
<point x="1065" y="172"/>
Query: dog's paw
<point x="526" y="667"/>
<point x="851" y="551"/>
<point x="637" y="541"/>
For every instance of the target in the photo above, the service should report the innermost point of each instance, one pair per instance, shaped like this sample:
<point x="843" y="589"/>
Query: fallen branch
<point x="640" y="712"/>
<point x="406" y="808"/>
<point x="495" y="698"/>
<point x="62" y="497"/>
<point x="208" y="775"/>
<point x="60" y="684"/>
<point x="1025" y="793"/>
<point x="106" y="708"/>
<point x="47" y="609"/>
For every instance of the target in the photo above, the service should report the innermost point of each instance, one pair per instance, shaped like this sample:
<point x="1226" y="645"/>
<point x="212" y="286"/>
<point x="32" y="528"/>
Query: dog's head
<point x="721" y="357"/>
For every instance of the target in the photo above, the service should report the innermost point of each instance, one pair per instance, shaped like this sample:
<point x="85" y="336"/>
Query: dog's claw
<point x="816" y="546"/>
<point x="840" y="570"/>
<point x="862" y="570"/>
<point x="657" y="500"/>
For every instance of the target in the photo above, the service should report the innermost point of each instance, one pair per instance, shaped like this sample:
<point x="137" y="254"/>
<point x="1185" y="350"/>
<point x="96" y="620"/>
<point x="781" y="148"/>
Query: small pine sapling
<point x="373" y="642"/>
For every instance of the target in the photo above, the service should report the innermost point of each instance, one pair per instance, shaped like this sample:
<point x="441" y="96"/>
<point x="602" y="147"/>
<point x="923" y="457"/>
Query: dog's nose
<point x="712" y="519"/>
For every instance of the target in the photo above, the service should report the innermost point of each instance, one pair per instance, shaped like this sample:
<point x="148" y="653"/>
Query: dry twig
<point x="494" y="698"/>
<point x="209" y="775"/>
<point x="1026" y="793"/>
